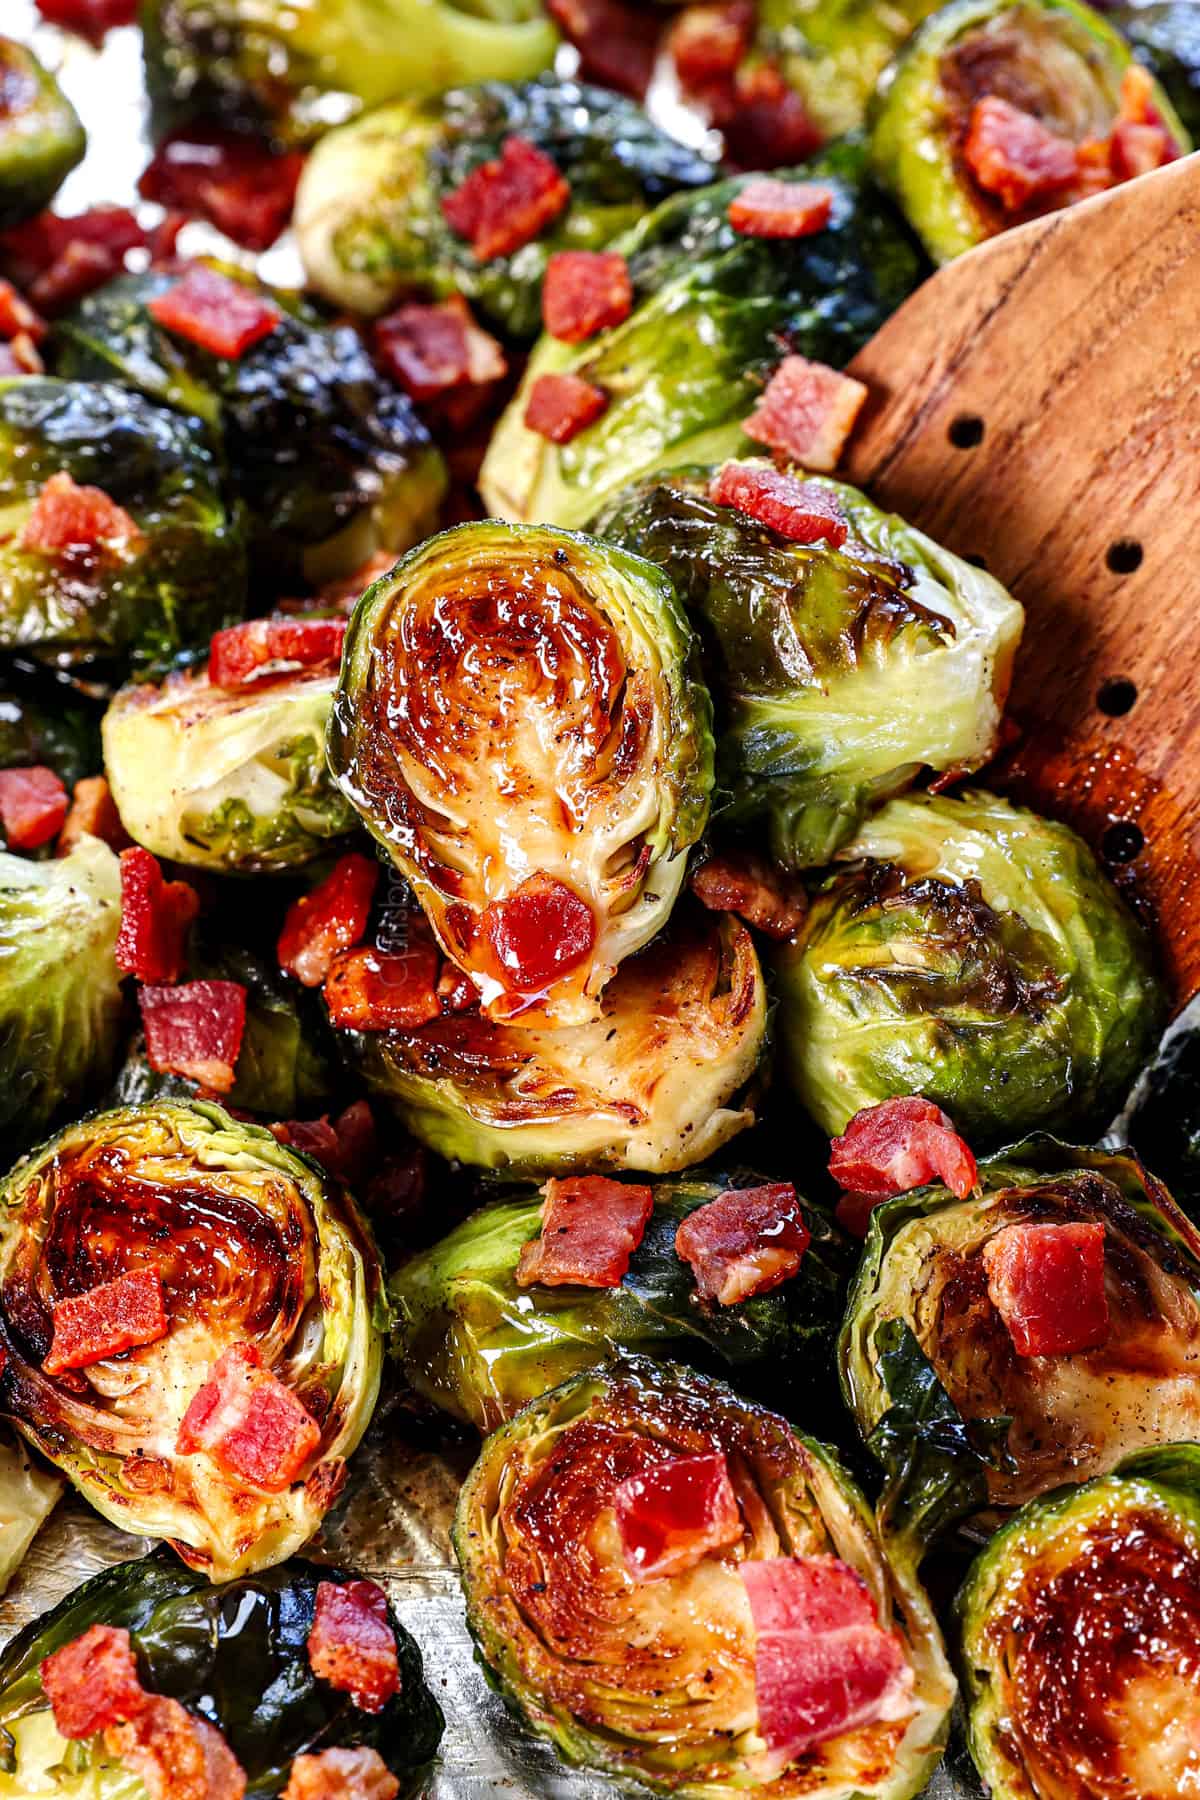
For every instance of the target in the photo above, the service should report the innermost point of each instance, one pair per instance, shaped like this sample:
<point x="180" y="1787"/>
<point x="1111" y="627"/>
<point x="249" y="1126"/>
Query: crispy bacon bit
<point x="1139" y="149"/>
<point x="351" y="1644"/>
<point x="347" y="1147"/>
<point x="590" y="1228"/>
<point x="538" y="933"/>
<point x="707" y="42"/>
<point x="33" y="805"/>
<point x="72" y="521"/>
<point x="17" y="317"/>
<point x="585" y="291"/>
<point x="617" y="41"/>
<point x="89" y="18"/>
<point x="670" y="1517"/>
<point x="155" y="915"/>
<point x="176" y="1755"/>
<point x="744" y="1242"/>
<point x="92" y="813"/>
<point x="116" y="1316"/>
<point x="893" y="1147"/>
<point x="766" y="124"/>
<point x="431" y="351"/>
<point x="195" y="1030"/>
<point x="1013" y="156"/>
<point x="332" y="918"/>
<point x="1047" y="1284"/>
<point x="807" y="411"/>
<point x="506" y="203"/>
<point x="58" y="260"/>
<point x="92" y="1682"/>
<point x="384" y="990"/>
<point x="236" y="182"/>
<point x="358" y="1774"/>
<point x="249" y="1421"/>
<point x="780" y="209"/>
<point x="264" y="647"/>
<point x="756" y="890"/>
<point x="798" y="510"/>
<point x="561" y="406"/>
<point x="79" y="270"/>
<point x="219" y="314"/>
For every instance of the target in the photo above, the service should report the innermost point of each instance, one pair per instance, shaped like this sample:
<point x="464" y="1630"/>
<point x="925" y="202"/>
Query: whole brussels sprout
<point x="520" y="724"/>
<point x="655" y="1680"/>
<point x="41" y="138"/>
<point x="973" y="953"/>
<point x="368" y="211"/>
<point x="713" y="313"/>
<point x="840" y="673"/>
<point x="28" y="1495"/>
<point x="183" y="574"/>
<point x="834" y="51"/>
<point x="258" y="1253"/>
<point x="233" y="1653"/>
<point x="1165" y="35"/>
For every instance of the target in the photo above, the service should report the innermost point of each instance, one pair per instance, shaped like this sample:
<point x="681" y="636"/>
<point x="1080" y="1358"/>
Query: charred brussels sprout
<point x="834" y="51"/>
<point x="520" y="724"/>
<point x="1165" y="35"/>
<point x="656" y="1680"/>
<point x="234" y="1653"/>
<point x="713" y="313"/>
<point x="178" y="571"/>
<point x="840" y="673"/>
<point x="1079" y="1624"/>
<point x="41" y="139"/>
<point x="973" y="953"/>
<point x="261" y="1258"/>
<point x="369" y="216"/>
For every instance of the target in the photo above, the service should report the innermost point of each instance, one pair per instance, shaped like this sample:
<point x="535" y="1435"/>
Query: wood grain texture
<point x="1075" y="342"/>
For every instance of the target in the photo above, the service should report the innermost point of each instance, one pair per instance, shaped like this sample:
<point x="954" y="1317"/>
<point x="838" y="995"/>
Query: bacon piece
<point x="176" y="1755"/>
<point x="767" y="125"/>
<point x="17" y="317"/>
<point x="332" y="918"/>
<point x="221" y="315"/>
<point x="92" y="1682"/>
<point x="781" y="209"/>
<point x="195" y="1029"/>
<point x="670" y="1517"/>
<point x="384" y="990"/>
<point x="1013" y="156"/>
<point x="346" y="1147"/>
<point x="1139" y="149"/>
<point x="538" y="933"/>
<point x="431" y="351"/>
<point x="33" y="805"/>
<point x="155" y="915"/>
<point x="585" y="291"/>
<point x="756" y="890"/>
<point x="106" y="1320"/>
<point x="798" y="510"/>
<point x="72" y="521"/>
<point x="591" y="1226"/>
<point x="20" y="357"/>
<point x="506" y="203"/>
<point x="807" y="411"/>
<point x="561" y="406"/>
<point x="617" y="41"/>
<point x="89" y="18"/>
<point x="358" y="1774"/>
<point x="707" y="42"/>
<point x="92" y="813"/>
<point x="744" y="1242"/>
<point x="58" y="259"/>
<point x="893" y="1147"/>
<point x="263" y="647"/>
<point x="455" y="989"/>
<point x="1047" y="1284"/>
<point x="235" y="181"/>
<point x="351" y="1644"/>
<point x="249" y="1421"/>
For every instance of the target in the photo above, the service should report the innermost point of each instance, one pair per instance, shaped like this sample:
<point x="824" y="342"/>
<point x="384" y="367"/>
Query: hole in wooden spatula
<point x="1124" y="556"/>
<point x="966" y="431"/>
<point x="1121" y="842"/>
<point x="1117" y="697"/>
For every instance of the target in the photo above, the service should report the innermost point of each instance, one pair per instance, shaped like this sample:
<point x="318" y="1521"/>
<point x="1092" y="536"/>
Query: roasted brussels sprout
<point x="302" y="69"/>
<point x="368" y="211"/>
<point x="1164" y="1121"/>
<point x="41" y="139"/>
<point x="1165" y="35"/>
<point x="712" y="310"/>
<point x="226" y="1427"/>
<point x="1079" y="1624"/>
<point x="42" y="721"/>
<point x="234" y="1653"/>
<point x="655" y="1679"/>
<point x="332" y="462"/>
<point x="520" y="724"/>
<point x="973" y="953"/>
<point x="28" y="1495"/>
<point x="840" y="672"/>
<point x="834" y="51"/>
<point x="177" y="573"/>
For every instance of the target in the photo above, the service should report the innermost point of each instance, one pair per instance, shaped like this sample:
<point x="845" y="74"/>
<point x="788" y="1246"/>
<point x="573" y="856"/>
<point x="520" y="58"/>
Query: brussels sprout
<point x="368" y="212"/>
<point x="331" y="460"/>
<point x="519" y="723"/>
<point x="841" y="672"/>
<point x="662" y="1079"/>
<point x="41" y="138"/>
<point x="41" y="721"/>
<point x="235" y="1654"/>
<point x="180" y="579"/>
<point x="302" y="69"/>
<point x="1165" y="35"/>
<point x="254" y="1245"/>
<point x="1165" y="1119"/>
<point x="60" y="989"/>
<point x="834" y="51"/>
<point x="977" y="955"/>
<point x="713" y="312"/>
<point x="1079" y="1624"/>
<point x="655" y="1681"/>
<point x="28" y="1495"/>
<point x="1056" y="59"/>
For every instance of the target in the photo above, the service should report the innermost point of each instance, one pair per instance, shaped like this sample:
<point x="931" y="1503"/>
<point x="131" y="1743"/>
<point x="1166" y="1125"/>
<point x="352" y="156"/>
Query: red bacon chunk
<point x="669" y="1518"/>
<point x="384" y="990"/>
<point x="264" y="647"/>
<point x="236" y="182"/>
<point x="431" y="351"/>
<point x="332" y="918"/>
<point x="92" y="813"/>
<point x="617" y="41"/>
<point x="92" y="1682"/>
<point x="155" y="915"/>
<point x="118" y="1315"/>
<point x="17" y="317"/>
<point x="561" y="406"/>
<point x="249" y="1421"/>
<point x="766" y="123"/>
<point x="1013" y="156"/>
<point x="19" y="356"/>
<point x="798" y="510"/>
<point x="351" y="1644"/>
<point x="755" y="890"/>
<point x="893" y="1147"/>
<point x="33" y="805"/>
<point x="707" y="42"/>
<point x="59" y="259"/>
<point x="807" y="411"/>
<point x="358" y="1774"/>
<point x="219" y="314"/>
<point x="506" y="203"/>
<point x="72" y="521"/>
<point x="540" y="932"/>
<point x="1047" y="1284"/>
<point x="1139" y="149"/>
<point x="195" y="1030"/>
<point x="780" y="209"/>
<point x="744" y="1242"/>
<point x="176" y="1755"/>
<point x="585" y="291"/>
<point x="590" y="1228"/>
<point x="89" y="18"/>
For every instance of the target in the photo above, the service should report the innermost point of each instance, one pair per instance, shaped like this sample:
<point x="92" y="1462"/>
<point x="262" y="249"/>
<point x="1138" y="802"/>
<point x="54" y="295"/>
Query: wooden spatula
<point x="1036" y="406"/>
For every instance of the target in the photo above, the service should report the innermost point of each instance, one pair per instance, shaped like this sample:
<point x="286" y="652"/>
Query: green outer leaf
<point x="41" y="138"/>
<point x="834" y="51"/>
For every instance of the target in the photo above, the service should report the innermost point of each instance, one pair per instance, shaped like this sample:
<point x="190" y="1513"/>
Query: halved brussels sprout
<point x="330" y="458"/>
<point x="520" y="724"/>
<point x="28" y="1495"/>
<point x="300" y="69"/>
<point x="714" y="312"/>
<point x="655" y="1680"/>
<point x="172" y="585"/>
<point x="368" y="212"/>
<point x="233" y="779"/>
<point x="1079" y="1625"/>
<point x="1165" y="35"/>
<point x="1054" y="59"/>
<point x="834" y="51"/>
<point x="254" y="1246"/>
<point x="973" y="953"/>
<point x="234" y="1653"/>
<point x="41" y="138"/>
<point x="842" y="673"/>
<point x="662" y="1079"/>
